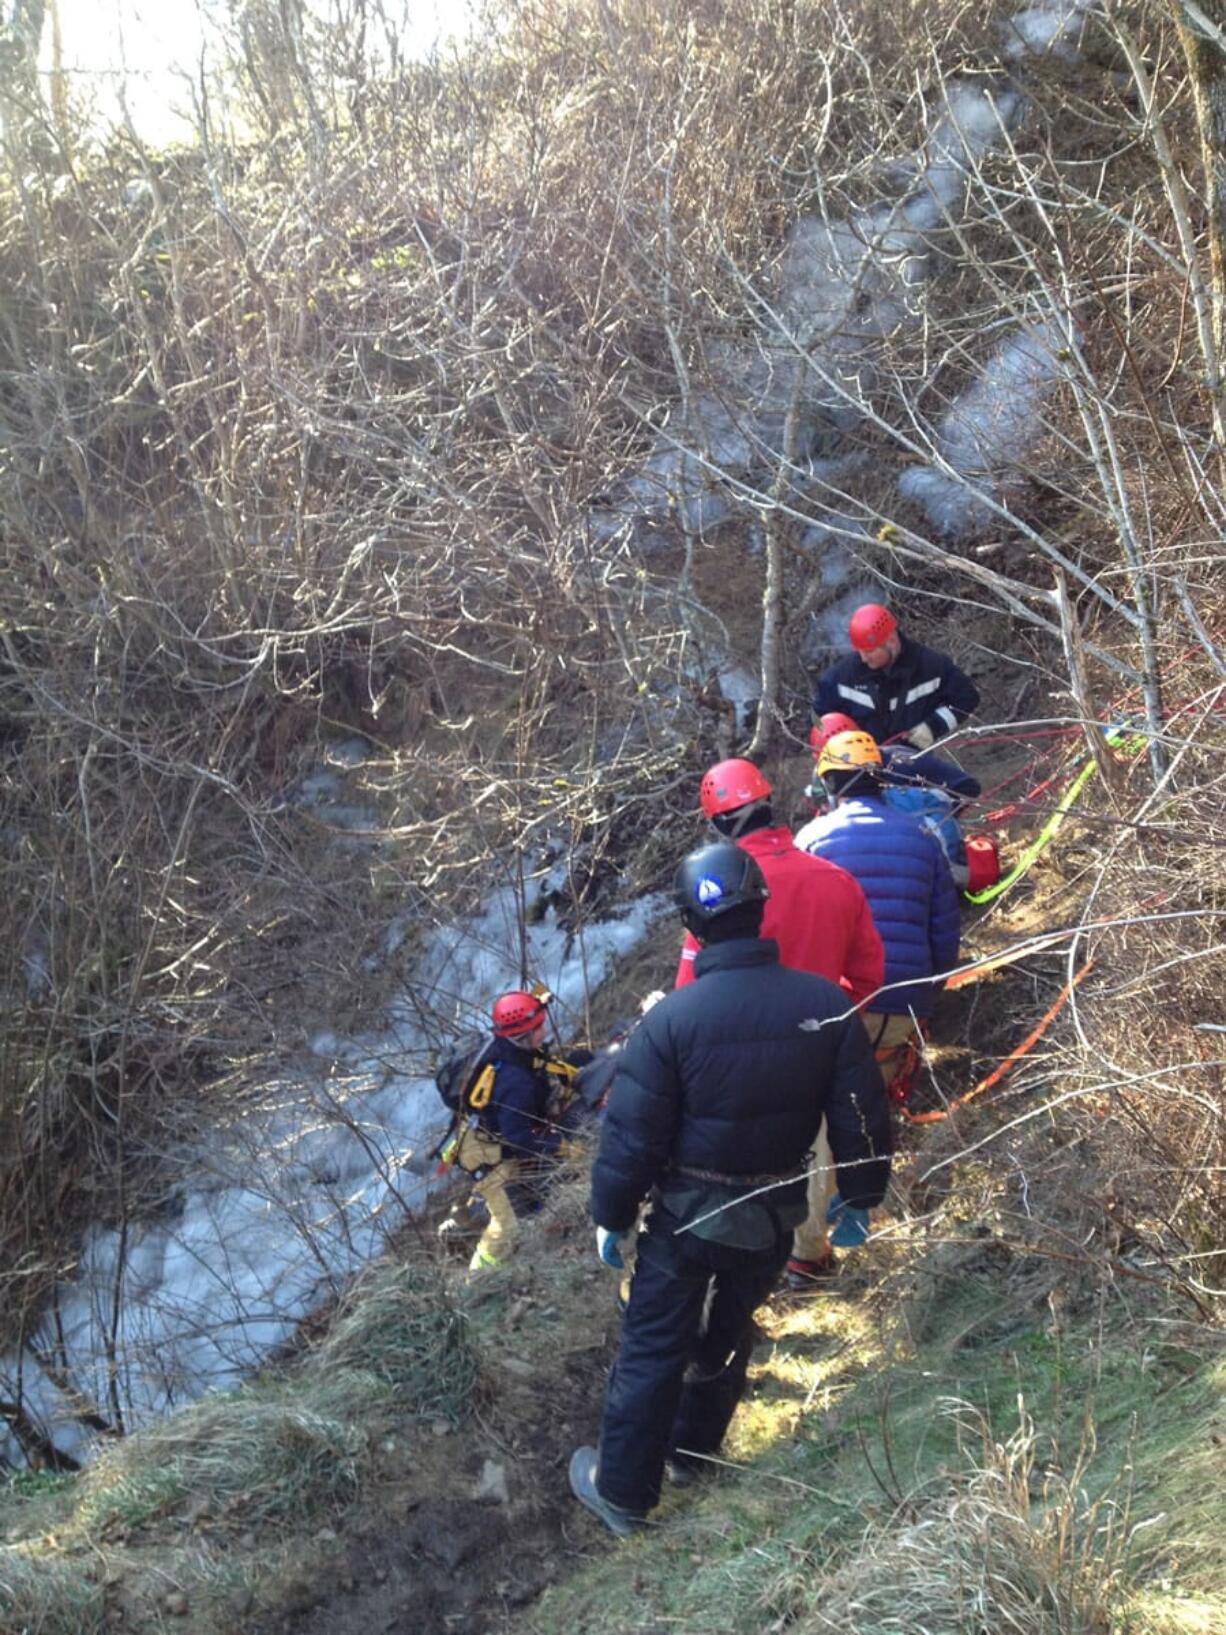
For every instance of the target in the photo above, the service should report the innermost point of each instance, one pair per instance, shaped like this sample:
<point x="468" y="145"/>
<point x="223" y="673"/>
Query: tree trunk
<point x="1202" y="30"/>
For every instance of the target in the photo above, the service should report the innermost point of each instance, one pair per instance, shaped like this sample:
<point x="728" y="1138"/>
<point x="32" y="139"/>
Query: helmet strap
<point x="742" y="820"/>
<point x="694" y="924"/>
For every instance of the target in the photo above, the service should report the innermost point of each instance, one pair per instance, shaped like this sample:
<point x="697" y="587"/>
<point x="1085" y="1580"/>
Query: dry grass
<point x="1009" y="1547"/>
<point x="39" y="1596"/>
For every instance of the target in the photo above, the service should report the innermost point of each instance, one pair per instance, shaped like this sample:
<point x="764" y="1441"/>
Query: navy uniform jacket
<point x="733" y="1074"/>
<point x="915" y="769"/>
<point x="921" y="687"/>
<point x="519" y="1105"/>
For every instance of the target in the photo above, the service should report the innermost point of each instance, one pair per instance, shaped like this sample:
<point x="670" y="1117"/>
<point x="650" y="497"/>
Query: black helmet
<point x="713" y="880"/>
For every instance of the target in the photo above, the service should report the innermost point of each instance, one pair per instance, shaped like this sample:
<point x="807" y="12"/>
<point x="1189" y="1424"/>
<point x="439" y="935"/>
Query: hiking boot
<point x="809" y="1276"/>
<point x="682" y="1472"/>
<point x="458" y="1233"/>
<point x="582" y="1476"/>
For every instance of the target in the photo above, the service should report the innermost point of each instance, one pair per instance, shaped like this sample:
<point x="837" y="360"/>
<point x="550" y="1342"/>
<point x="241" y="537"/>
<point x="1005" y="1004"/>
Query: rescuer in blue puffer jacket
<point x="926" y="788"/>
<point x="906" y="879"/>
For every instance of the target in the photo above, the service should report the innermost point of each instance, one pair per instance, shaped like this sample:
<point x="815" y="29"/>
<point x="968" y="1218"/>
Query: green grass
<point x="39" y="1596"/>
<point x="404" y="1330"/>
<point x="1009" y="1468"/>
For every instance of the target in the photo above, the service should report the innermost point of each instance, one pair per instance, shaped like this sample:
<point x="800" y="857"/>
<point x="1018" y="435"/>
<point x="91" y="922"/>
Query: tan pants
<point x="497" y="1243"/>
<point x="894" y="1040"/>
<point x="811" y="1240"/>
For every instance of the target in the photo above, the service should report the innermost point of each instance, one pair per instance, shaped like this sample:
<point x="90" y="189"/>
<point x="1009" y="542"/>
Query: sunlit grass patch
<point x="841" y="1471"/>
<point x="1163" y="1612"/>
<point x="820" y="1348"/>
<point x="1181" y="1470"/>
<point x="1007" y="1546"/>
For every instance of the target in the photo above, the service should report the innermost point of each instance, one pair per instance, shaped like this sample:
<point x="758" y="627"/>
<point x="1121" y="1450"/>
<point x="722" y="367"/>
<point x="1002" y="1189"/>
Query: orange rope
<point x="998" y="1072"/>
<point x="972" y="973"/>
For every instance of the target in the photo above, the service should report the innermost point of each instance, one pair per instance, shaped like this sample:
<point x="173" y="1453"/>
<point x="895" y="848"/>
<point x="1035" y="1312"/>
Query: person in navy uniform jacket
<point x="895" y="688"/>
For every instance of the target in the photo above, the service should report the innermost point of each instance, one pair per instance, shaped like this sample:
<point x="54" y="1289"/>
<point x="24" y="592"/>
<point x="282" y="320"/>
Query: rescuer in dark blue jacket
<point x="512" y="1122"/>
<point x="894" y="687"/>
<point x="716" y="1103"/>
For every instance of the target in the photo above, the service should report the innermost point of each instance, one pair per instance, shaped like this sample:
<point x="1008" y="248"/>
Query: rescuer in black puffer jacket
<point x="716" y="1103"/>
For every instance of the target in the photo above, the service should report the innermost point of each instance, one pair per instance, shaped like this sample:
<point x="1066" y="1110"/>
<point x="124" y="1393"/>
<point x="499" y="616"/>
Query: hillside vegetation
<point x="509" y="411"/>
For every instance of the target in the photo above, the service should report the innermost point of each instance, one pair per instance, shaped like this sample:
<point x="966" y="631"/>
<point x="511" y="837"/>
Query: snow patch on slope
<point x="986" y="434"/>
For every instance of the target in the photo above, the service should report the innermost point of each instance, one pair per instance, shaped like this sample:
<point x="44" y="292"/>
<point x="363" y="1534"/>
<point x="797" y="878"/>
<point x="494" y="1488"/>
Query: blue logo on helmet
<point x="708" y="890"/>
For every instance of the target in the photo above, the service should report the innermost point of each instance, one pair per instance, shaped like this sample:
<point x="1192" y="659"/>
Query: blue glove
<point x="850" y="1224"/>
<point x="608" y="1247"/>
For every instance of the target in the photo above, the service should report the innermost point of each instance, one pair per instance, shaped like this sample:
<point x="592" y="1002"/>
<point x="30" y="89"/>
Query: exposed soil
<point x="423" y="1554"/>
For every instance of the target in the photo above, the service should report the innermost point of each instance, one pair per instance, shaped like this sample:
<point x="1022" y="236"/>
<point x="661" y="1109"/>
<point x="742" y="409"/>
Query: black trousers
<point x="681" y="1365"/>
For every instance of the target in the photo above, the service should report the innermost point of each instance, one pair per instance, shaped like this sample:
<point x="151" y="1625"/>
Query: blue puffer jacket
<point x="933" y="810"/>
<point x="909" y="890"/>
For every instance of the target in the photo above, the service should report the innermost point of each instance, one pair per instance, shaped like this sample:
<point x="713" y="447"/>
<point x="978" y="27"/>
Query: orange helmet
<point x="848" y="752"/>
<point x="731" y="784"/>
<point x="824" y="730"/>
<point x="517" y="1012"/>
<point x="871" y="626"/>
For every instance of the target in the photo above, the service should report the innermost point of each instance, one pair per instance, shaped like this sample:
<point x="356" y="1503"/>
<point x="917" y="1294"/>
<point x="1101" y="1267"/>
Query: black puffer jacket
<point x="732" y="1075"/>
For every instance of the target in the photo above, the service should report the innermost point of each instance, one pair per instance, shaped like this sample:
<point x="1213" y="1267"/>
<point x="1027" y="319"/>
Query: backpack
<point x="459" y="1068"/>
<point x="933" y="811"/>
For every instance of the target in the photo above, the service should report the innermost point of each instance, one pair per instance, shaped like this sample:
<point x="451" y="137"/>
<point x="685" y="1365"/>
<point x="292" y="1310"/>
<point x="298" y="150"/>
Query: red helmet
<point x="517" y="1012"/>
<point x="827" y="726"/>
<point x="729" y="785"/>
<point x="871" y="626"/>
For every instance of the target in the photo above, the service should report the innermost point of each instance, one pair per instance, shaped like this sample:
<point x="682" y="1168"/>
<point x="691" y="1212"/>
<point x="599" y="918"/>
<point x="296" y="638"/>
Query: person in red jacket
<point x="819" y="917"/>
<point x="822" y="922"/>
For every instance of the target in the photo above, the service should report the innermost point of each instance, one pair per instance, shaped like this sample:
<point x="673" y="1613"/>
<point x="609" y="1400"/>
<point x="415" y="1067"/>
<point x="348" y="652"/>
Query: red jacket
<point x="818" y="916"/>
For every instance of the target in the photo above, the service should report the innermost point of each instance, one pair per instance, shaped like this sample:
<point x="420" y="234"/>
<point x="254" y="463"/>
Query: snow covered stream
<point x="284" y="1204"/>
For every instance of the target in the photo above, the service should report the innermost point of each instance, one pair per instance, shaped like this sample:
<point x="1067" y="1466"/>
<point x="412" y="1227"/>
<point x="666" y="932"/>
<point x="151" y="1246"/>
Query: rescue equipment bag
<point x="982" y="863"/>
